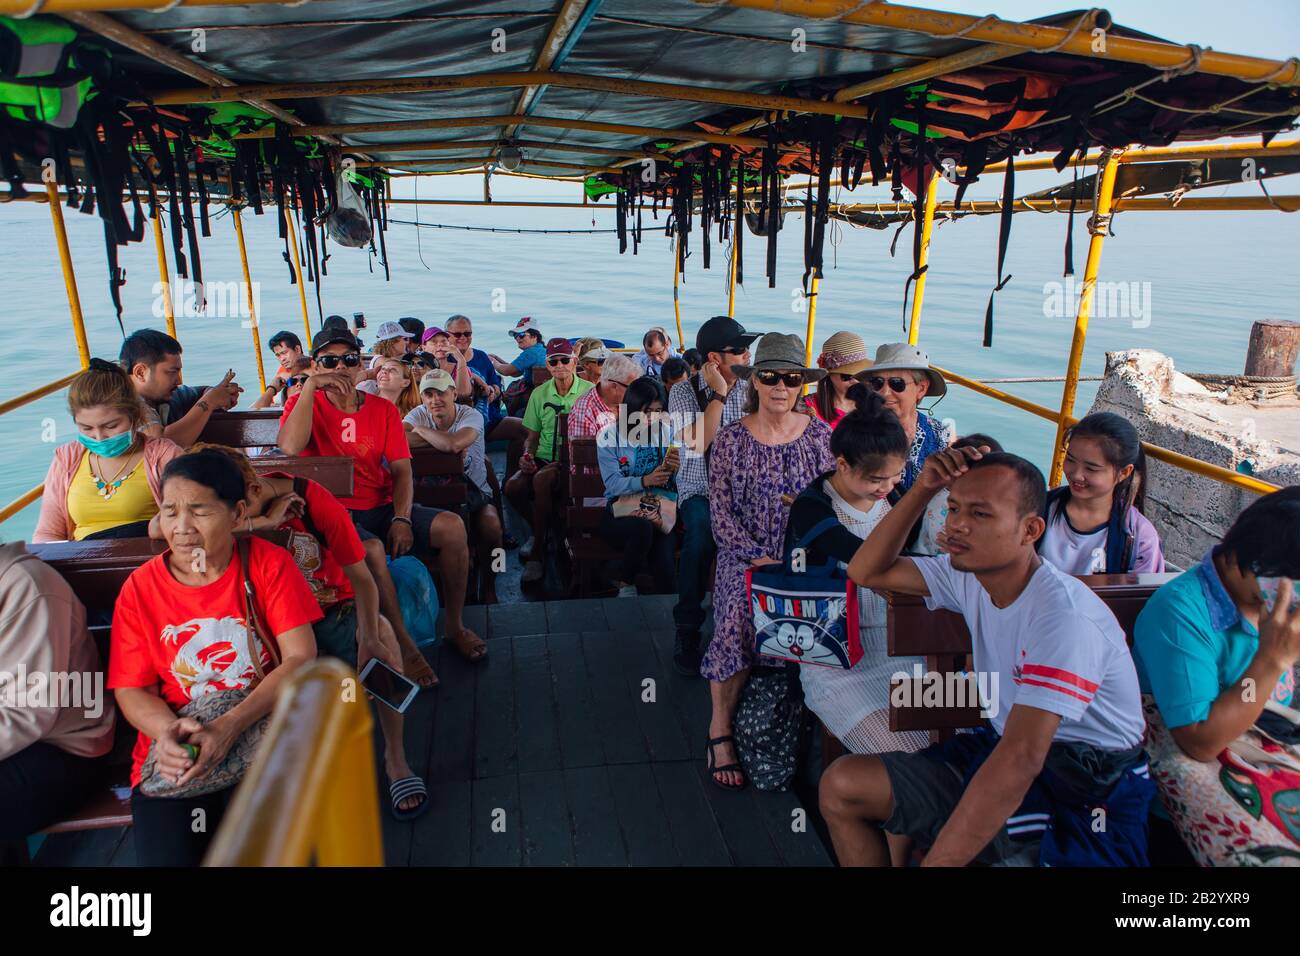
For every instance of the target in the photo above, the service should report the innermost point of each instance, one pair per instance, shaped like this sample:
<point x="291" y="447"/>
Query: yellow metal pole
<point x="1099" y="225"/>
<point x="163" y="274"/>
<point x="812" y="325"/>
<point x="926" y="226"/>
<point x="18" y="504"/>
<point x="677" y="306"/>
<point x="297" y="271"/>
<point x="69" y="274"/>
<point x="252" y="311"/>
<point x="740" y="222"/>
<point x="28" y="397"/>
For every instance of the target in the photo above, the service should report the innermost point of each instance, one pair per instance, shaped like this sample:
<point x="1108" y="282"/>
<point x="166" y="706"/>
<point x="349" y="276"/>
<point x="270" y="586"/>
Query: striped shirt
<point x="693" y="472"/>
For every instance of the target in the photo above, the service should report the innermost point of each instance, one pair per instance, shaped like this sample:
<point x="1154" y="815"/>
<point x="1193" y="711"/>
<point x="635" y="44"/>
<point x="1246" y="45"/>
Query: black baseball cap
<point x="334" y="322"/>
<point x="722" y="332"/>
<point x="333" y="336"/>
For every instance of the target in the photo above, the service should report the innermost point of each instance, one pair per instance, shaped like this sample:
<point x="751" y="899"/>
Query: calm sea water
<point x="1210" y="275"/>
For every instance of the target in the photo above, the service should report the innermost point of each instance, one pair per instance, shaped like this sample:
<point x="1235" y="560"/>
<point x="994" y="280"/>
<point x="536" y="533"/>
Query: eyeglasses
<point x="734" y="350"/>
<point x="296" y="380"/>
<point x="589" y="361"/>
<point x="555" y="360"/>
<point x="621" y="384"/>
<point x="350" y="359"/>
<point x="460" y="335"/>
<point x="769" y="378"/>
<point x="844" y="378"/>
<point x="895" y="382"/>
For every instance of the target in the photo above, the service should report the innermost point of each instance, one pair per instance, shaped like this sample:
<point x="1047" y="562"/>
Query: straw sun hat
<point x="844" y="353"/>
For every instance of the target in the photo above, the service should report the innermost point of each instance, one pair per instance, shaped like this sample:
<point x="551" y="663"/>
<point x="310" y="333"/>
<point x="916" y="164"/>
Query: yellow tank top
<point x="90" y="512"/>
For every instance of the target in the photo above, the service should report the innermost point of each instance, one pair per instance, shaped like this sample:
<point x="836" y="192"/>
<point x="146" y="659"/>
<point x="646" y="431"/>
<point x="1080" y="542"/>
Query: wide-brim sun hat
<point x="778" y="352"/>
<point x="845" y="354"/>
<point x="900" y="356"/>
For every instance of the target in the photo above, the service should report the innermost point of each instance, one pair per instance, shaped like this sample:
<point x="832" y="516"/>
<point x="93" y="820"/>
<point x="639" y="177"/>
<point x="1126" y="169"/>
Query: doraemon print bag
<point x="810" y="616"/>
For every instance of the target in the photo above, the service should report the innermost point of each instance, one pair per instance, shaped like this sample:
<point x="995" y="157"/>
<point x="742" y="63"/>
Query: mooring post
<point x="1274" y="344"/>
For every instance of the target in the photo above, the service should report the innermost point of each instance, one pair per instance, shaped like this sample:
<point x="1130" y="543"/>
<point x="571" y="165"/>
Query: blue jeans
<point x="698" y="550"/>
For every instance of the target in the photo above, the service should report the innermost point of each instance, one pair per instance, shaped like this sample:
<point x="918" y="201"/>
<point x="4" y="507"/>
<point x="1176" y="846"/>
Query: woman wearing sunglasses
<point x="277" y="391"/>
<point x="844" y="357"/>
<point x="901" y="375"/>
<point x="757" y="464"/>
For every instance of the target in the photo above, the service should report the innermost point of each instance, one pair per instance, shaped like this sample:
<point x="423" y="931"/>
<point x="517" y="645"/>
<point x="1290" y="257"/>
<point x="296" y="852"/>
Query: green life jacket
<point x="41" y="77"/>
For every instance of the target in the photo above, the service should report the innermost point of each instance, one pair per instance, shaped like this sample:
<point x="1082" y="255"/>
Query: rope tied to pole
<point x="1193" y="65"/>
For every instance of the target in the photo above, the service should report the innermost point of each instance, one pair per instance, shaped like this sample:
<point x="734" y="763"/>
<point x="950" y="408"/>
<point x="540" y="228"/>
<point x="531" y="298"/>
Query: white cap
<point x="391" y="330"/>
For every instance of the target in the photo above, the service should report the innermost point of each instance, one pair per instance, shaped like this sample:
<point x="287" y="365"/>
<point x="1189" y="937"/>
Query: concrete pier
<point x="1179" y="413"/>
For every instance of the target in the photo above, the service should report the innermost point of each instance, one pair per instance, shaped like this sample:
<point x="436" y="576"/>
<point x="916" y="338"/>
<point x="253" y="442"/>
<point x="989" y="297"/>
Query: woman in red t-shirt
<point x="332" y="558"/>
<point x="179" y="632"/>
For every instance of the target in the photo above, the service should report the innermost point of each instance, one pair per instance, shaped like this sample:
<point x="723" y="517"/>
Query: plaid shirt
<point x="693" y="472"/>
<point x="589" y="415"/>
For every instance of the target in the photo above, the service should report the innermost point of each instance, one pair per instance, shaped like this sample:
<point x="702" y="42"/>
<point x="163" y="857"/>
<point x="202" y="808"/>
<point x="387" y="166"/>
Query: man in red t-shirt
<point x="330" y="417"/>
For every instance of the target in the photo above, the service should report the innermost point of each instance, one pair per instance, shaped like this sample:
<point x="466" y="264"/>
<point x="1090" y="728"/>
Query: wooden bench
<point x="248" y="429"/>
<point x="427" y="462"/>
<point x="941" y="637"/>
<point x="333" y="472"/>
<point x="585" y="548"/>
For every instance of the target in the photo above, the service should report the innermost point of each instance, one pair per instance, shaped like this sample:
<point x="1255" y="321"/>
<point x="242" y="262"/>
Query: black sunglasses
<point x="350" y="359"/>
<point x="769" y="378"/>
<point x="844" y="378"/>
<point x="895" y="382"/>
<point x="555" y="360"/>
<point x="734" y="350"/>
<point x="460" y="335"/>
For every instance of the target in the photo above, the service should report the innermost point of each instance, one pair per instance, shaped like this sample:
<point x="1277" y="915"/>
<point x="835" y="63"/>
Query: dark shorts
<point x="373" y="523"/>
<point x="928" y="785"/>
<point x="336" y="633"/>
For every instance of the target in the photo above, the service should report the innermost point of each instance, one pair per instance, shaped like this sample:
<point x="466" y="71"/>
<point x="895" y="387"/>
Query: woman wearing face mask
<point x="870" y="449"/>
<point x="106" y="484"/>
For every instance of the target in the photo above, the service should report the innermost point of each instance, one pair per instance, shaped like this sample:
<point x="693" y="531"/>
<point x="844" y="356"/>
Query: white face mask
<point x="1268" y="588"/>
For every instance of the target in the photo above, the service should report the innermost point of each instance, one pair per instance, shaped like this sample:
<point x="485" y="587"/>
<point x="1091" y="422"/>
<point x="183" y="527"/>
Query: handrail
<point x="1168" y="456"/>
<point x="28" y="397"/>
<point x="311" y="792"/>
<point x="21" y="502"/>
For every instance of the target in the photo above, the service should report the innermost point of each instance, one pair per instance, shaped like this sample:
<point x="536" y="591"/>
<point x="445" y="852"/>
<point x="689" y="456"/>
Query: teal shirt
<point x="529" y="359"/>
<point x="1191" y="642"/>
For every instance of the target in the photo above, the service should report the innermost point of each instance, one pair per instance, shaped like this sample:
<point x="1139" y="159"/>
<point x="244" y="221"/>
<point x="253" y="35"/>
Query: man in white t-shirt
<point x="447" y="426"/>
<point x="1060" y="773"/>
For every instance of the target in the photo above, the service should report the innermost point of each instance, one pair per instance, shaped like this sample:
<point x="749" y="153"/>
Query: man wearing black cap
<point x="712" y="398"/>
<point x="331" y="417"/>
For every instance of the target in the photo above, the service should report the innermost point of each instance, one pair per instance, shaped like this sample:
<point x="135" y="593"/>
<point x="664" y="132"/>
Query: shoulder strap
<point x="254" y="625"/>
<point x="816" y="531"/>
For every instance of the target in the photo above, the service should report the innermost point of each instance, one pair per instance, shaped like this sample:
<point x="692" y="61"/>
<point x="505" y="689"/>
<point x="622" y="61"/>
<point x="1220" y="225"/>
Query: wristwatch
<point x="718" y="397"/>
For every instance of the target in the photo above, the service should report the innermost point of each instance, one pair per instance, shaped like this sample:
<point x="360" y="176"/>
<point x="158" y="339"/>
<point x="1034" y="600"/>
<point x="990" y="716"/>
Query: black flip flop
<point x="728" y="768"/>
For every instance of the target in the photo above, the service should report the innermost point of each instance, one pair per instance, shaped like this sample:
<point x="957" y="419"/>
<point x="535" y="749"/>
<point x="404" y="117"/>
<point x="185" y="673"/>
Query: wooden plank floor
<point x="574" y="744"/>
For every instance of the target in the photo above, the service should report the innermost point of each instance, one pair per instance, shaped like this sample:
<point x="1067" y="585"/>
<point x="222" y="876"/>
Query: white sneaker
<point x="533" y="572"/>
<point x="526" y="549"/>
<point x="627" y="590"/>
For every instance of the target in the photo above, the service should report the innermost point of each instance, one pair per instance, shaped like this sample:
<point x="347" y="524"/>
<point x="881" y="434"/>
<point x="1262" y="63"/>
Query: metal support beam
<point x="926" y="225"/>
<point x="252" y="309"/>
<point x="69" y="273"/>
<point x="506" y="80"/>
<point x="1098" y="225"/>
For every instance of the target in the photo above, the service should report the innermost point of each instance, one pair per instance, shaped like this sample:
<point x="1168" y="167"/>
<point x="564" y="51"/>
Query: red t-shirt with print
<point x="322" y="564"/>
<point x="370" y="437"/>
<point x="192" y="641"/>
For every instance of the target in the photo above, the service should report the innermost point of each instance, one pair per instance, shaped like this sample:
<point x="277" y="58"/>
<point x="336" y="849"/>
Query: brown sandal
<point x="417" y="669"/>
<point x="472" y="647"/>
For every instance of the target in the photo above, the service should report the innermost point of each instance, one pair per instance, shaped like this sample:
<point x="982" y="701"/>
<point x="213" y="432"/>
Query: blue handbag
<point x="809" y="616"/>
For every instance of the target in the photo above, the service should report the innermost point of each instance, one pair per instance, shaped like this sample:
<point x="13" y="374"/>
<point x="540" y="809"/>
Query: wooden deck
<point x="554" y="738"/>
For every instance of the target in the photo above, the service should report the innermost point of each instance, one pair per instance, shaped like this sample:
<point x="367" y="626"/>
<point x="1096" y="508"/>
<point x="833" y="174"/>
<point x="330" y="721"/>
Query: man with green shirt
<point x="532" y="488"/>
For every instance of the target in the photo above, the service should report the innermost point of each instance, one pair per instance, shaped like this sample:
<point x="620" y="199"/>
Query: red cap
<point x="559" y="346"/>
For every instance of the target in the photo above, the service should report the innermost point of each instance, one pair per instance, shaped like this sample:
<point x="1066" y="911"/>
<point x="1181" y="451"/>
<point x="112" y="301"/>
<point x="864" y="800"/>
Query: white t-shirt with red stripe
<point x="1057" y="647"/>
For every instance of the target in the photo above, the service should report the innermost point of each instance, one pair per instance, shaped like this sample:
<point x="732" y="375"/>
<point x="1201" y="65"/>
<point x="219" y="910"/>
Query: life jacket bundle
<point x="46" y="72"/>
<point x="975" y="104"/>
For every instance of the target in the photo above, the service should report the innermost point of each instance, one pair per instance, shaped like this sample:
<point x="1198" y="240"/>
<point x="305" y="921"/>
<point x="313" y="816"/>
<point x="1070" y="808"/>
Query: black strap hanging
<point x="205" y="230"/>
<point x="1069" y="222"/>
<point x="620" y="214"/>
<point x="1004" y="233"/>
<point x="825" y="155"/>
<point x="183" y="150"/>
<point x="974" y="158"/>
<point x="738" y="234"/>
<point x="772" y="175"/>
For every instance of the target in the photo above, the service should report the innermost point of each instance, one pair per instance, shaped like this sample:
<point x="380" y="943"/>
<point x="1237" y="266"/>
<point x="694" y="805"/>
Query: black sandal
<point x="713" y="770"/>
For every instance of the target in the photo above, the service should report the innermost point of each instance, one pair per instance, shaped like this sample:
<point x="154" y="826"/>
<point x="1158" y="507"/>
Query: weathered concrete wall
<point x="1176" y="412"/>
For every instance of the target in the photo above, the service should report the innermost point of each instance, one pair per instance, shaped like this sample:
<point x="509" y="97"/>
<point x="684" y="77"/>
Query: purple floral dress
<point x="746" y="481"/>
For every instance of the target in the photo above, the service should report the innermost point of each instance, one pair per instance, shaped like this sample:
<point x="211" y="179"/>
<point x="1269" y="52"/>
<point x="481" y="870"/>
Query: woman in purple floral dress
<point x="776" y="449"/>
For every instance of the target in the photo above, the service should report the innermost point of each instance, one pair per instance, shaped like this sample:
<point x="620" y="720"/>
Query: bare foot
<point x="417" y="669"/>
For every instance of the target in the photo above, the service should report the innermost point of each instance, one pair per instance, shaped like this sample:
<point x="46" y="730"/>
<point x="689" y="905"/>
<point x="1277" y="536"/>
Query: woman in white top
<point x="870" y="449"/>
